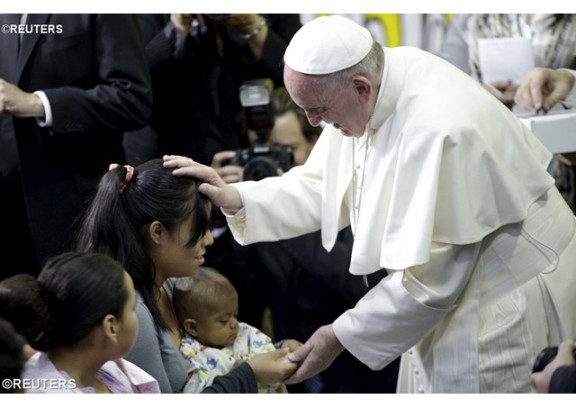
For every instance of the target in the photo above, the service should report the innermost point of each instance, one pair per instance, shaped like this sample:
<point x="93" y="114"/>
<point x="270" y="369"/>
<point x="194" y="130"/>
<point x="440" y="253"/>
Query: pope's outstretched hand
<point x="218" y="191"/>
<point x="315" y="355"/>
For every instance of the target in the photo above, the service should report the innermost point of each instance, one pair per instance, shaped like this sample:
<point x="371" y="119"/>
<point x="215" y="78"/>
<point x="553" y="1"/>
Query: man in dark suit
<point x="70" y="85"/>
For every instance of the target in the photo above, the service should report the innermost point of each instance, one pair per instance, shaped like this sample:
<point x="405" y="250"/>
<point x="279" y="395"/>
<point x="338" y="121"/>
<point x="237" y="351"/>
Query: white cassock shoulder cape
<point x="448" y="164"/>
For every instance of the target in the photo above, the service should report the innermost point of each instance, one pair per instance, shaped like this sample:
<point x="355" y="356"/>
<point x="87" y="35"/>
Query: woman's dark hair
<point x="71" y="296"/>
<point x="116" y="222"/>
<point x="11" y="355"/>
<point x="24" y="303"/>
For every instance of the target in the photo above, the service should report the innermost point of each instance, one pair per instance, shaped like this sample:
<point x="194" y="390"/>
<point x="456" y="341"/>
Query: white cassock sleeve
<point x="406" y="305"/>
<point x="277" y="208"/>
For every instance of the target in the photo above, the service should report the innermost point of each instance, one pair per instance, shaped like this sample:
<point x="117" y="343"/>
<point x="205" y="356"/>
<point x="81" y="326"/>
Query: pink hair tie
<point x="129" y="174"/>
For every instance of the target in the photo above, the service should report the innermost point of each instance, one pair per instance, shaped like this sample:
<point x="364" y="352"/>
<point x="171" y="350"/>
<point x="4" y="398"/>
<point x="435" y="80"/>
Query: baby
<point x="213" y="340"/>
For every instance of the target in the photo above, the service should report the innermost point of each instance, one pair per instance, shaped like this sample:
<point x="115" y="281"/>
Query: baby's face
<point x="220" y="328"/>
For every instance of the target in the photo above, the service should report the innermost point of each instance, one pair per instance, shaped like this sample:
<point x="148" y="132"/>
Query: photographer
<point x="304" y="286"/>
<point x="198" y="62"/>
<point x="559" y="376"/>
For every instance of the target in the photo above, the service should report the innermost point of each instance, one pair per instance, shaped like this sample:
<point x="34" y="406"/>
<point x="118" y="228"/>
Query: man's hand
<point x="316" y="354"/>
<point x="247" y="23"/>
<point x="244" y="22"/>
<point x="542" y="88"/>
<point x="541" y="380"/>
<point x="230" y="173"/>
<point x="217" y="190"/>
<point x="15" y="102"/>
<point x="182" y="22"/>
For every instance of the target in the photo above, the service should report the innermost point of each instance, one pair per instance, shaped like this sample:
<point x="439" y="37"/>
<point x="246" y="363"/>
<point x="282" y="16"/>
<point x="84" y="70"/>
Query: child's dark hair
<point x="117" y="220"/>
<point x="11" y="355"/>
<point x="73" y="293"/>
<point x="199" y="294"/>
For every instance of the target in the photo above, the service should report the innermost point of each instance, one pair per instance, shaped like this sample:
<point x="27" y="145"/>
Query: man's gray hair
<point x="371" y="65"/>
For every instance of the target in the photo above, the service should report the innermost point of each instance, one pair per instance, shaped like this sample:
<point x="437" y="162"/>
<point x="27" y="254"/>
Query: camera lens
<point x="259" y="168"/>
<point x="545" y="356"/>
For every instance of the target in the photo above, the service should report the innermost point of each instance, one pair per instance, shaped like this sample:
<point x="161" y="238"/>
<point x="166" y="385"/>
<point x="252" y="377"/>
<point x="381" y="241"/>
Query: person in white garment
<point x="442" y="186"/>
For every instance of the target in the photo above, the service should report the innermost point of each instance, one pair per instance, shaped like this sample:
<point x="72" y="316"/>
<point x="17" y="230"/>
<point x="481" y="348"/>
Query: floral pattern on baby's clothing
<point x="206" y="363"/>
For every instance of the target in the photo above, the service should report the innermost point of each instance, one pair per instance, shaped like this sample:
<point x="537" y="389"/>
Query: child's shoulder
<point x="189" y="346"/>
<point x="252" y="340"/>
<point x="246" y="329"/>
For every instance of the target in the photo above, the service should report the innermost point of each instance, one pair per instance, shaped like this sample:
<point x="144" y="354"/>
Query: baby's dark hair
<point x="119" y="215"/>
<point x="198" y="295"/>
<point x="73" y="293"/>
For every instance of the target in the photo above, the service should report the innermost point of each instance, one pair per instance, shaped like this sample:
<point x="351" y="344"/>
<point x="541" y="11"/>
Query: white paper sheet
<point x="505" y="59"/>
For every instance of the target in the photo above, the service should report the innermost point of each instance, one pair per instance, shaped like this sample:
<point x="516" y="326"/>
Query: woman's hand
<point x="272" y="367"/>
<point x="292" y="344"/>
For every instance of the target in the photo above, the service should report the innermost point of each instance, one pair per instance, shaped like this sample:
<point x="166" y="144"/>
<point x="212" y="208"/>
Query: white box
<point x="556" y="130"/>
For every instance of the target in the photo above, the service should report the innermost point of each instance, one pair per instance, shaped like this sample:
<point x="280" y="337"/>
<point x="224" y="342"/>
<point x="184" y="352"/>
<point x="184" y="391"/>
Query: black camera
<point x="545" y="356"/>
<point x="262" y="159"/>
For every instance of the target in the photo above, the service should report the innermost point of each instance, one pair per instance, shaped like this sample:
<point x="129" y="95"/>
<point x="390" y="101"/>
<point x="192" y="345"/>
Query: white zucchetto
<point x="328" y="44"/>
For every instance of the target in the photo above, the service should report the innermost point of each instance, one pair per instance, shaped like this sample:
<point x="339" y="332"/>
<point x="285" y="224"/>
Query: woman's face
<point x="128" y="322"/>
<point x="179" y="257"/>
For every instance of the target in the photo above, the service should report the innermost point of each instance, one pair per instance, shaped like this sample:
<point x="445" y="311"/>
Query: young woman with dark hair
<point x="80" y="315"/>
<point x="157" y="226"/>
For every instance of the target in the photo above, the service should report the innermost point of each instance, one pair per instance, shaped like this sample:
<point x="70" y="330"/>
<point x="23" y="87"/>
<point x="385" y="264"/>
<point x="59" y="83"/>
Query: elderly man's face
<point x="339" y="106"/>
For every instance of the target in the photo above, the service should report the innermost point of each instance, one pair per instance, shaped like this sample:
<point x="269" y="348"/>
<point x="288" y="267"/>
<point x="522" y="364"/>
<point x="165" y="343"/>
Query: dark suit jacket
<point x="563" y="380"/>
<point x="95" y="75"/>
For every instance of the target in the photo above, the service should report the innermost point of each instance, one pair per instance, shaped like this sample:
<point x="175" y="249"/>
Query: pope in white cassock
<point x="444" y="188"/>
